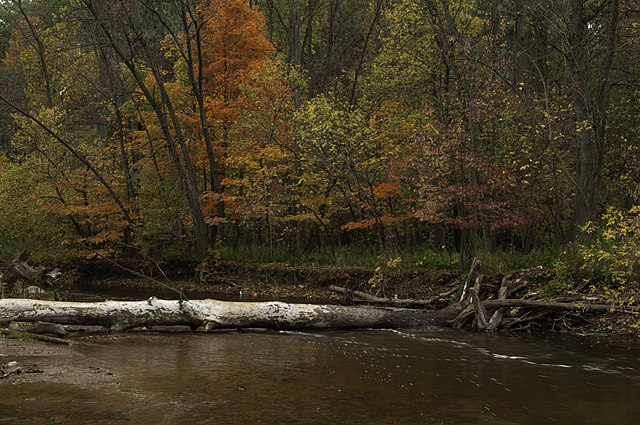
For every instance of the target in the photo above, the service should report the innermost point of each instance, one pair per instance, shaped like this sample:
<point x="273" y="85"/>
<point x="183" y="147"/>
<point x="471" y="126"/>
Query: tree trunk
<point x="590" y="97"/>
<point x="19" y="269"/>
<point x="210" y="314"/>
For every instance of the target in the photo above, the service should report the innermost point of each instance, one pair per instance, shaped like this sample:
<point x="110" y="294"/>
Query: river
<point x="425" y="376"/>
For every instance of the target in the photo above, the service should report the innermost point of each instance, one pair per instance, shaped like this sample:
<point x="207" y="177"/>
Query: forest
<point x="180" y="130"/>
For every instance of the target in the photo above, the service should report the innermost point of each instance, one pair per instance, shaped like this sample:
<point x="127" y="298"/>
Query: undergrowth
<point x="423" y="259"/>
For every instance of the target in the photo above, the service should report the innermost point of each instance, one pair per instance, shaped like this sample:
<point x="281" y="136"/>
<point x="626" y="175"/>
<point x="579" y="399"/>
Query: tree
<point x="235" y="53"/>
<point x="126" y="25"/>
<point x="50" y="128"/>
<point x="347" y="169"/>
<point x="587" y="36"/>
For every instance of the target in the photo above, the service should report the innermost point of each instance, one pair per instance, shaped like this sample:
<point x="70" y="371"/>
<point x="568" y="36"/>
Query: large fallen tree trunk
<point x="210" y="314"/>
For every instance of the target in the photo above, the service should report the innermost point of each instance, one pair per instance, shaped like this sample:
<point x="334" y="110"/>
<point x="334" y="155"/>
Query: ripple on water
<point x="381" y="377"/>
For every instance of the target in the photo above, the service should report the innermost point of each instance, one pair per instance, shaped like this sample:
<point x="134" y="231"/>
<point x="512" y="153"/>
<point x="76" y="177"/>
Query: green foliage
<point x="612" y="257"/>
<point x="25" y="223"/>
<point x="431" y="260"/>
<point x="22" y="336"/>
<point x="342" y="257"/>
<point x="10" y="248"/>
<point x="384" y="267"/>
<point x="345" y="257"/>
<point x="502" y="262"/>
<point x="163" y="232"/>
<point x="566" y="274"/>
<point x="335" y="148"/>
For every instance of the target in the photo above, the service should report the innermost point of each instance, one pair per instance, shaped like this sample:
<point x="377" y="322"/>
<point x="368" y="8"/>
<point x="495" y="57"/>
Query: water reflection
<point x="373" y="377"/>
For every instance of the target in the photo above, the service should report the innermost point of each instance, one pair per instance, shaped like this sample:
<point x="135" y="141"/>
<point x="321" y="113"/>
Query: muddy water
<point x="369" y="377"/>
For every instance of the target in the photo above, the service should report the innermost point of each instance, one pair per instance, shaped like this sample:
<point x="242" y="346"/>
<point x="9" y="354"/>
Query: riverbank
<point x="280" y="281"/>
<point x="311" y="283"/>
<point x="39" y="362"/>
<point x="227" y="280"/>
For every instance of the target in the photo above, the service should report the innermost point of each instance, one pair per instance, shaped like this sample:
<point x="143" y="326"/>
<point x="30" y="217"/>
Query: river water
<point x="426" y="376"/>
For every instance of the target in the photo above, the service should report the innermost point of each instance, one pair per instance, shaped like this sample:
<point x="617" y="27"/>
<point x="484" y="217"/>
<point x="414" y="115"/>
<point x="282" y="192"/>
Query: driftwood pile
<point x="20" y="270"/>
<point x="514" y="306"/>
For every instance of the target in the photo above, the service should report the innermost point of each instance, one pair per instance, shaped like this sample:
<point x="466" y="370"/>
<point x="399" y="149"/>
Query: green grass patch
<point x="344" y="257"/>
<point x="493" y="262"/>
<point x="21" y="336"/>
<point x="9" y="249"/>
<point x="502" y="262"/>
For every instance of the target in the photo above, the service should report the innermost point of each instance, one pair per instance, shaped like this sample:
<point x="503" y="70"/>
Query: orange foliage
<point x="386" y="190"/>
<point x="247" y="103"/>
<point x="234" y="43"/>
<point x="386" y="219"/>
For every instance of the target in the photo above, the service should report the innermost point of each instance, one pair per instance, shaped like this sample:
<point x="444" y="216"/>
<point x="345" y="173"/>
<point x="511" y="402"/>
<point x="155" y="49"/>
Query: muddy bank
<point x="40" y="362"/>
<point x="61" y="385"/>
<point x="311" y="284"/>
<point x="274" y="281"/>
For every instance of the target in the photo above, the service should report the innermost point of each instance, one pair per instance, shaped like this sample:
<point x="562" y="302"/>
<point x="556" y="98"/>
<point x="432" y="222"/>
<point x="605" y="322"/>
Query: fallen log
<point x="211" y="314"/>
<point x="20" y="269"/>
<point x="38" y="328"/>
<point x="479" y="309"/>
<point x="474" y="277"/>
<point x="398" y="302"/>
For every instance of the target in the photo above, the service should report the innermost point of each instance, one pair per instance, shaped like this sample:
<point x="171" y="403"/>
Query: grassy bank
<point x="422" y="259"/>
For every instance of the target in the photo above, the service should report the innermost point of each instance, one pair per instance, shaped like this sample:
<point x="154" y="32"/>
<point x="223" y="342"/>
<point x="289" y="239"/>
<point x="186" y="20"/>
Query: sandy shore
<point x="44" y="362"/>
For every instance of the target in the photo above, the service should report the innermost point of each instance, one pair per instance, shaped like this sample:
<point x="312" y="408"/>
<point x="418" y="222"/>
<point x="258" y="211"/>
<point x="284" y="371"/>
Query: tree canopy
<point x="178" y="127"/>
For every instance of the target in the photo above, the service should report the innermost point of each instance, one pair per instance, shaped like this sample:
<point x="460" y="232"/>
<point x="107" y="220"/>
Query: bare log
<point x="474" y="278"/>
<point x="480" y="311"/>
<point x="19" y="269"/>
<point x="38" y="328"/>
<point x="399" y="302"/>
<point x="470" y="311"/>
<point x="211" y="314"/>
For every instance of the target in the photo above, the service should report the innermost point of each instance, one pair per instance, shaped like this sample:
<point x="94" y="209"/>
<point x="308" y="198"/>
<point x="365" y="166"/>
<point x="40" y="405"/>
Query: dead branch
<point x="38" y="337"/>
<point x="474" y="277"/>
<point x="470" y="311"/>
<point x="359" y="296"/>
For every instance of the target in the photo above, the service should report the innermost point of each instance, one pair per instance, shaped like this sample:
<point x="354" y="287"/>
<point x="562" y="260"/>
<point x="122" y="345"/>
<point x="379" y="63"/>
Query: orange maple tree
<point x="247" y="102"/>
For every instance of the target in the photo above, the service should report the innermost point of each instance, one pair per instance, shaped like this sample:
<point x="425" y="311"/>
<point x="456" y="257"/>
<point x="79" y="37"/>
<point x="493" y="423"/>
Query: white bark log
<point x="212" y="314"/>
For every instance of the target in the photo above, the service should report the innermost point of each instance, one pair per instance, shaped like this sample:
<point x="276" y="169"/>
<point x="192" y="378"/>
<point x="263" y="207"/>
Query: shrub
<point x="612" y="256"/>
<point x="566" y="273"/>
